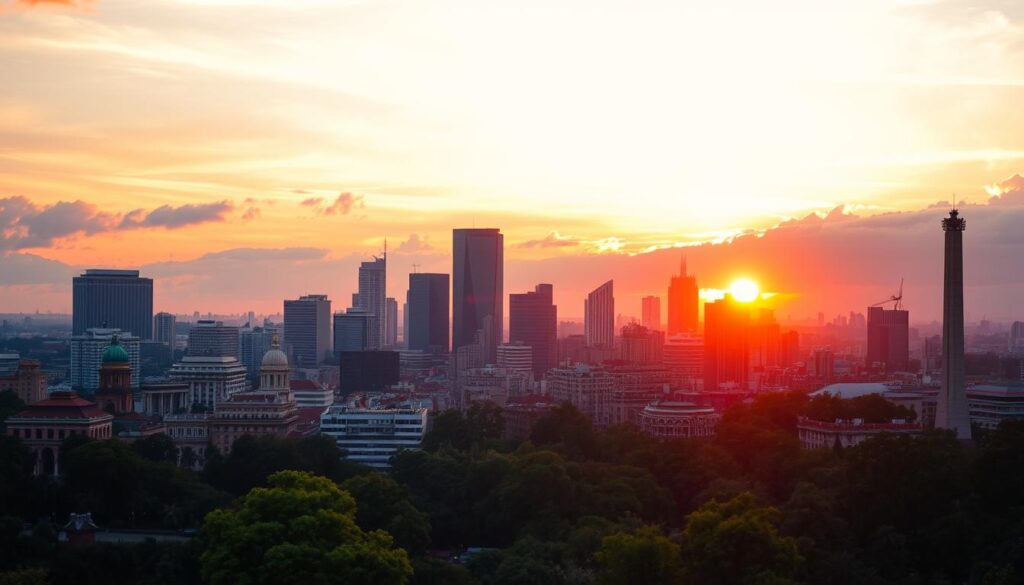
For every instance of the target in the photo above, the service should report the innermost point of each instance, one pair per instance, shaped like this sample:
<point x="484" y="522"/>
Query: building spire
<point x="682" y="265"/>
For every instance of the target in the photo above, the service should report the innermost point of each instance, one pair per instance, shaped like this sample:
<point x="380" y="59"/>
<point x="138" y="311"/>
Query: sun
<point x="744" y="290"/>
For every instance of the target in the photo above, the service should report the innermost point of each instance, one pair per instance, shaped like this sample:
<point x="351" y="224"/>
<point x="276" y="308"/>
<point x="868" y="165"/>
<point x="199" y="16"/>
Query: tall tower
<point x="951" y="411"/>
<point x="478" y="260"/>
<point x="599" y="316"/>
<point x="683" y="301"/>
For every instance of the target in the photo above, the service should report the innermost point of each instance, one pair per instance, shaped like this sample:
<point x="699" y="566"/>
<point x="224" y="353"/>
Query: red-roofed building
<point x="44" y="425"/>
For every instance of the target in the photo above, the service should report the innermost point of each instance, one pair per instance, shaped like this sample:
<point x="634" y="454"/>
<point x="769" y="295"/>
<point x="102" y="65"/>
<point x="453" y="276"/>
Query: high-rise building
<point x="372" y="297"/>
<point x="683" y="302"/>
<point x="87" y="352"/>
<point x="213" y="338"/>
<point x="824" y="364"/>
<point x="789" y="348"/>
<point x="353" y="330"/>
<point x="427" y="309"/>
<point x="478" y="285"/>
<point x="726" y="350"/>
<point x="114" y="299"/>
<point x="163" y="328"/>
<point x="951" y="410"/>
<point x="307" y="330"/>
<point x="367" y="371"/>
<point x="254" y="344"/>
<point x="390" y="322"/>
<point x="888" y="339"/>
<point x="1016" y="341"/>
<point x="684" y="357"/>
<point x="650" y="313"/>
<point x="533" y="321"/>
<point x="516" y="357"/>
<point x="599" y="316"/>
<point x="764" y="341"/>
<point x="640" y="345"/>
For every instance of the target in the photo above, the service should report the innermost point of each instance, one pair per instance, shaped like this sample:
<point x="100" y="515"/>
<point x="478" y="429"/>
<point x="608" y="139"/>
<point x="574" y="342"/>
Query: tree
<point x="485" y="422"/>
<point x="566" y="427"/>
<point x="10" y="405"/>
<point x="643" y="556"/>
<point x="448" y="429"/>
<point x="383" y="504"/>
<point x="736" y="543"/>
<point x="299" y="530"/>
<point x="156" y="448"/>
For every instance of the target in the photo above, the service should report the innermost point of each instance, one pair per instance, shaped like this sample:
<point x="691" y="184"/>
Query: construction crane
<point x="896" y="298"/>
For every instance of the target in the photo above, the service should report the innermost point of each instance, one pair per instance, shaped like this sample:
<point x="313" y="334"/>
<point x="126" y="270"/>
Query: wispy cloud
<point x="552" y="240"/>
<point x="175" y="217"/>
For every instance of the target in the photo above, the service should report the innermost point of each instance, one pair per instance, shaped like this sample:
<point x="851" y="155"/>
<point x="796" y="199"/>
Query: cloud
<point x="24" y="224"/>
<point x="1009" y="191"/>
<point x="552" y="240"/>
<point x="175" y="217"/>
<point x="414" y="244"/>
<point x="251" y="213"/>
<point x="344" y="204"/>
<point x="312" y="202"/>
<point x="29" y="269"/>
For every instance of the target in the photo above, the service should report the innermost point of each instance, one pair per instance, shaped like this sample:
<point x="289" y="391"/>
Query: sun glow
<point x="744" y="290"/>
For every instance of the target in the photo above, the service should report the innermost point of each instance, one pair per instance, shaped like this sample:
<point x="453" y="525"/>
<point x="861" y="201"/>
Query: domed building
<point x="114" y="394"/>
<point x="675" y="418"/>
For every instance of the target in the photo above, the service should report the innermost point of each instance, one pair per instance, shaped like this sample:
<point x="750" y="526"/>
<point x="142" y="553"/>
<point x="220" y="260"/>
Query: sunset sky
<point x="242" y="151"/>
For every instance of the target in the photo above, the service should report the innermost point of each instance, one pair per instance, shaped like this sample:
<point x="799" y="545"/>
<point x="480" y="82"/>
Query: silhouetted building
<point x="163" y="328"/>
<point x="683" y="302"/>
<point x="307" y="330"/>
<point x="726" y="351"/>
<point x="372" y="298"/>
<point x="764" y="341"/>
<point x="390" y="322"/>
<point x="789" y="348"/>
<point x="353" y="330"/>
<point x="427" y="308"/>
<point x="1016" y="340"/>
<point x="115" y="299"/>
<point x="683" y="354"/>
<point x="888" y="339"/>
<point x="533" y="321"/>
<point x="599" y="316"/>
<point x="368" y="371"/>
<point x="254" y="344"/>
<point x="478" y="281"/>
<point x="951" y="410"/>
<point x="213" y="338"/>
<point x="824" y="364"/>
<point x="650" y="313"/>
<point x="640" y="345"/>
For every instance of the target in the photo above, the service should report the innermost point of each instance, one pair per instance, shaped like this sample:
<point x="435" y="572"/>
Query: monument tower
<point x="951" y="410"/>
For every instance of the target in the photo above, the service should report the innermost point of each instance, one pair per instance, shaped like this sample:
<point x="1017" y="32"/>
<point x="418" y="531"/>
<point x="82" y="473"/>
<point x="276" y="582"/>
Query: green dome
<point x="115" y="352"/>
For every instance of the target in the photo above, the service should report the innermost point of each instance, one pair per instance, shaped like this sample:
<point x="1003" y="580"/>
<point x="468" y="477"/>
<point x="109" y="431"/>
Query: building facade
<point x="428" y="309"/>
<point x="726" y="349"/>
<point x="586" y="388"/>
<point x="115" y="299"/>
<point x="211" y="380"/>
<point x="599" y="316"/>
<point x="816" y="434"/>
<point x="163" y="328"/>
<point x="683" y="302"/>
<point x="307" y="330"/>
<point x="23" y="377"/>
<point x="372" y="298"/>
<point x="354" y="330"/>
<point x="214" y="338"/>
<point x="533" y="322"/>
<point x="650" y="313"/>
<point x="888" y="339"/>
<point x="373" y="436"/>
<point x="87" y="356"/>
<point x="677" y="419"/>
<point x="478" y="260"/>
<point x="43" y="426"/>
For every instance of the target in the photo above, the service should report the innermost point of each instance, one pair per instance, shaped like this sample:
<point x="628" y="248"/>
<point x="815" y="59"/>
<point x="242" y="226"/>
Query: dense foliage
<point x="574" y="504"/>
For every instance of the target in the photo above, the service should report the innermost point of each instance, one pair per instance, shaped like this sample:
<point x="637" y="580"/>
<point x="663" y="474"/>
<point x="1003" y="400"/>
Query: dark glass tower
<point x="428" y="312"/>
<point x="533" y="321"/>
<point x="117" y="299"/>
<point x="307" y="330"/>
<point x="478" y="257"/>
<point x="951" y="410"/>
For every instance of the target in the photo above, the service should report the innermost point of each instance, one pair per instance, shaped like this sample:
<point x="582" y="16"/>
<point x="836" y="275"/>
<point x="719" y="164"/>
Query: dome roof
<point x="275" y="357"/>
<point x="115" y="352"/>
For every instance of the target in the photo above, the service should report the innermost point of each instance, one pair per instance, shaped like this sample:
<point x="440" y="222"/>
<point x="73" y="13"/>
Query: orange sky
<point x="192" y="127"/>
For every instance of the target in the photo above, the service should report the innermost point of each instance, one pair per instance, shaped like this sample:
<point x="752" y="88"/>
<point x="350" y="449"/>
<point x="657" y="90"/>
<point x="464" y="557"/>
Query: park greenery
<point x="572" y="505"/>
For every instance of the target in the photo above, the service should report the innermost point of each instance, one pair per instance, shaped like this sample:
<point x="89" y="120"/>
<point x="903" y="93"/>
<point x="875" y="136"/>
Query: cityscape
<point x="318" y="292"/>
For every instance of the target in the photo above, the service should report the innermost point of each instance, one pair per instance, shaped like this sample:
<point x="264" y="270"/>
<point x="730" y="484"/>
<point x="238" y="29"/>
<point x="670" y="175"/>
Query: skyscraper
<point x="427" y="307"/>
<point x="254" y="343"/>
<point x="163" y="328"/>
<point x="951" y="410"/>
<point x="650" y="315"/>
<point x="87" y="353"/>
<point x="478" y="285"/>
<point x="353" y="330"/>
<point x="307" y="330"/>
<point x="726" y="349"/>
<point x="116" y="299"/>
<point x="888" y="338"/>
<point x="683" y="299"/>
<point x="372" y="295"/>
<point x="390" y="322"/>
<point x="213" y="338"/>
<point x="599" y="316"/>
<point x="533" y="321"/>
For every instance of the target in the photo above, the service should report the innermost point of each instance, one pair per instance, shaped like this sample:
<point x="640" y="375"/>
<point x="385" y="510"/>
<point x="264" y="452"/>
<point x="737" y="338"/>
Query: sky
<point x="245" y="151"/>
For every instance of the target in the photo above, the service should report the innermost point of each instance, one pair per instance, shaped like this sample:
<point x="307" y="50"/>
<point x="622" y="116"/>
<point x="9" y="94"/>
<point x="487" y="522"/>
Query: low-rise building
<point x="23" y="377"/>
<point x="211" y="379"/>
<point x="44" y="425"/>
<point x="586" y="388"/>
<point x="677" y="419"/>
<point x="815" y="434"/>
<point x="371" y="436"/>
<point x="311" y="394"/>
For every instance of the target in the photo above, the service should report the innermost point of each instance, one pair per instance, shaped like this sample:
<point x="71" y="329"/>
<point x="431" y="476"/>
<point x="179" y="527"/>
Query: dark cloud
<point x="175" y="217"/>
<point x="344" y="204"/>
<point x="552" y="240"/>
<point x="414" y="244"/>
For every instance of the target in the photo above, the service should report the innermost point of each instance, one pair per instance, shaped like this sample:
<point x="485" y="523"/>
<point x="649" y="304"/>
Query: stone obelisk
<point x="951" y="410"/>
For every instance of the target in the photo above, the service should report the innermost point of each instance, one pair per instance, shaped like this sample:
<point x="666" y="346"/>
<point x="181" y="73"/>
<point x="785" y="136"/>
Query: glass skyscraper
<point x="114" y="299"/>
<point x="427" y="304"/>
<point x="478" y="257"/>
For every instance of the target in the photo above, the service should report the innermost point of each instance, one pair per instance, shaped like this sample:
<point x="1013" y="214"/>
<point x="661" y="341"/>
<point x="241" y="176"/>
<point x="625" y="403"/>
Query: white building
<point x="211" y="379"/>
<point x="372" y="436"/>
<point x="311" y="394"/>
<point x="516" y="357"/>
<point x="672" y="418"/>
<point x="87" y="352"/>
<point x="816" y="434"/>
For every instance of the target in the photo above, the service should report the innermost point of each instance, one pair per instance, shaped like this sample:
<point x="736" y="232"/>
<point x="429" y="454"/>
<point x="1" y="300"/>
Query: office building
<point x="478" y="285"/>
<point x="586" y="388"/>
<point x="113" y="299"/>
<point x="307" y="330"/>
<point x="213" y="338"/>
<point x="163" y="328"/>
<point x="1016" y="340"/>
<point x="390" y="322"/>
<point x="211" y="380"/>
<point x="372" y="297"/>
<point x="650" y="313"/>
<point x="354" y="330"/>
<point x="888" y="339"/>
<point x="726" y="351"/>
<point x="824" y="364"/>
<point x="367" y="371"/>
<point x="765" y="341"/>
<point x="87" y="356"/>
<point x="23" y="377"/>
<point x="254" y="343"/>
<point x="634" y="386"/>
<point x="599" y="316"/>
<point x="683" y="355"/>
<point x="640" y="345"/>
<point x="310" y="394"/>
<point x="683" y="302"/>
<point x="427" y="306"/>
<point x="370" y="436"/>
<point x="492" y="384"/>
<point x="516" y="357"/>
<point x="533" y="322"/>
<point x="951" y="410"/>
